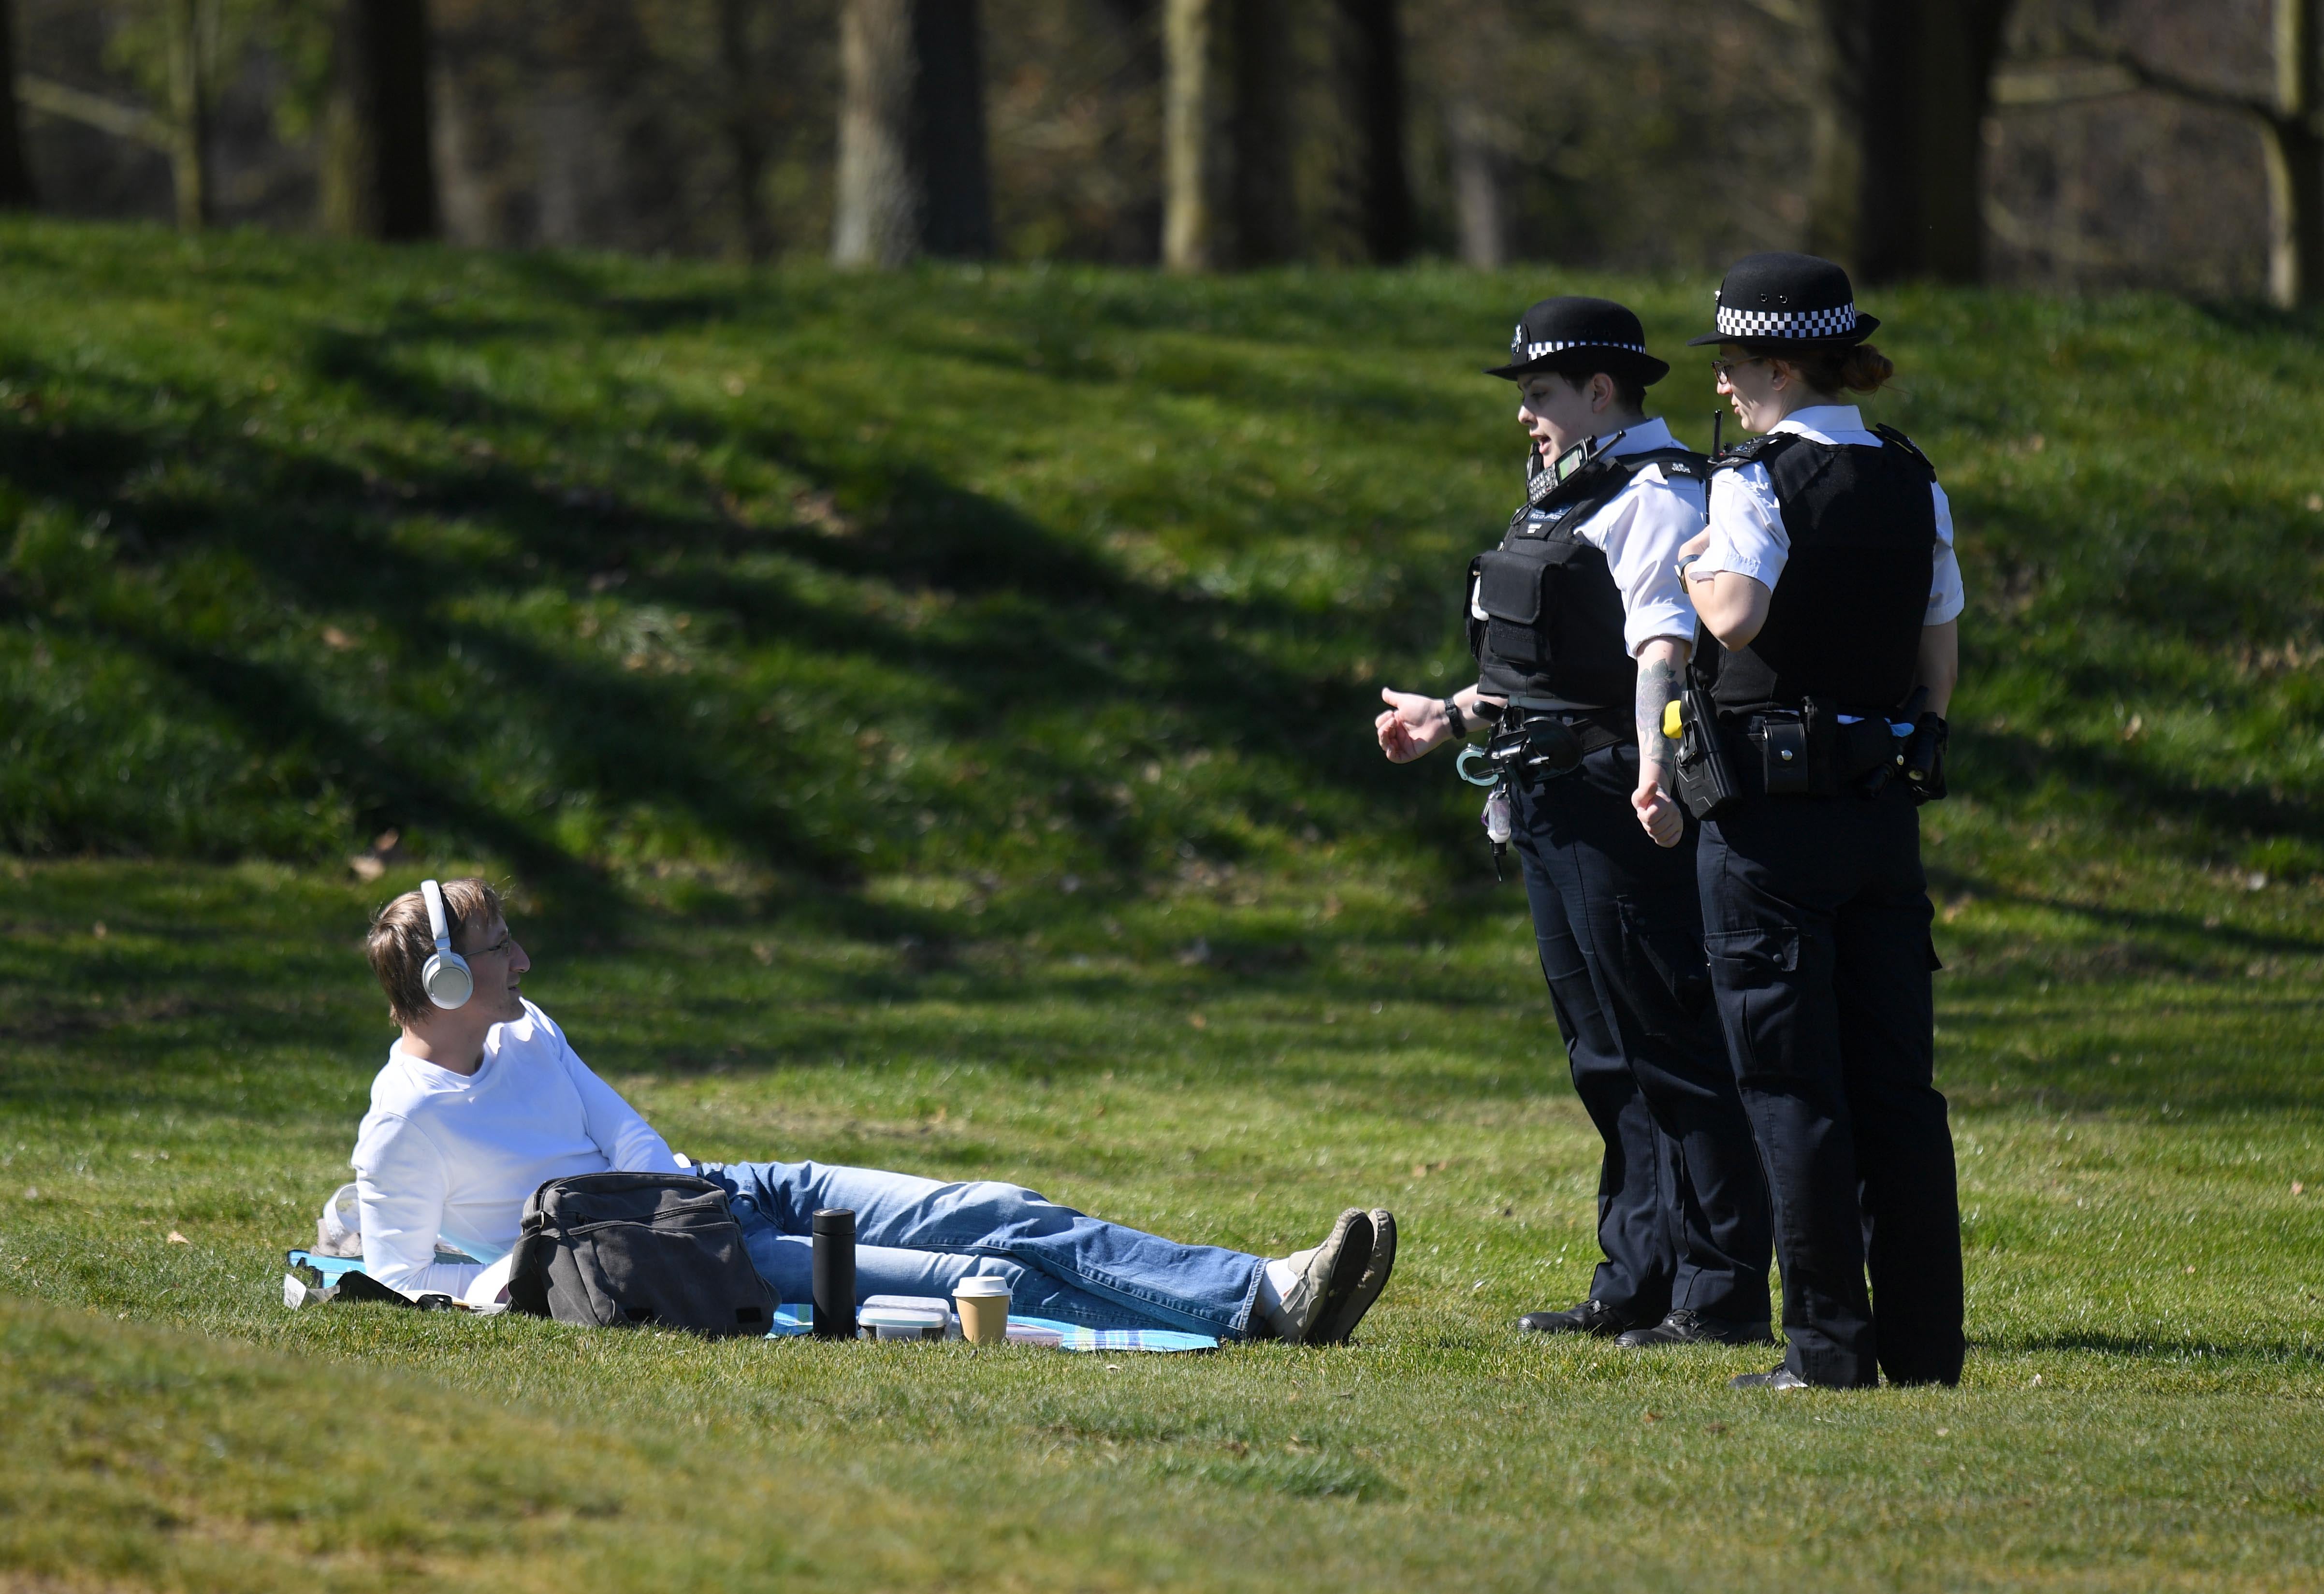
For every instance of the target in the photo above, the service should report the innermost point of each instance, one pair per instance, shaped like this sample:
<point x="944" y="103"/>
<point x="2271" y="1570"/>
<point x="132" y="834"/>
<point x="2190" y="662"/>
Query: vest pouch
<point x="1510" y="592"/>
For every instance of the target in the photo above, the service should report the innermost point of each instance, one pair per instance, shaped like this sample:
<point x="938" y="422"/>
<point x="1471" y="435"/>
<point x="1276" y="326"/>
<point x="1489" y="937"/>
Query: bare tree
<point x="378" y="166"/>
<point x="1898" y="153"/>
<point x="17" y="192"/>
<point x="745" y="131"/>
<point x="1367" y="49"/>
<point x="912" y="161"/>
<point x="947" y="138"/>
<point x="1471" y="66"/>
<point x="191" y="22"/>
<point x="1227" y="138"/>
<point x="2291" y="131"/>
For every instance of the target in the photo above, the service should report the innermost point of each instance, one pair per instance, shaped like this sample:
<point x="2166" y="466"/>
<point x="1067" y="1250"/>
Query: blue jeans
<point x="919" y="1237"/>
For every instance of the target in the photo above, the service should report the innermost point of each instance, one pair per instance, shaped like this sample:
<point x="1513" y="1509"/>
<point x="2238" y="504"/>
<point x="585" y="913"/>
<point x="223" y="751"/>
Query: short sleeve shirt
<point x="1746" y="522"/>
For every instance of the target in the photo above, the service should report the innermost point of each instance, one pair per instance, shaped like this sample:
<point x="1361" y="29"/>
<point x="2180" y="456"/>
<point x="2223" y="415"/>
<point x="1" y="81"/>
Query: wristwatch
<point x="1455" y="718"/>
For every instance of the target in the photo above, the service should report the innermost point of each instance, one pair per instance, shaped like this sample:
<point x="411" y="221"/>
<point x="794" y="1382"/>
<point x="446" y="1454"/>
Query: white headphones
<point x="446" y="978"/>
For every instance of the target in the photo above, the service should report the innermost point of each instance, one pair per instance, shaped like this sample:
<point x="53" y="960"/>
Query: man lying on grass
<point x="482" y="1103"/>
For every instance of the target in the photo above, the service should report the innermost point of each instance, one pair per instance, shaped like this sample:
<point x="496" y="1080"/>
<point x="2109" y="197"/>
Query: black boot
<point x="1684" y="1327"/>
<point x="1783" y="1377"/>
<point x="1594" y="1318"/>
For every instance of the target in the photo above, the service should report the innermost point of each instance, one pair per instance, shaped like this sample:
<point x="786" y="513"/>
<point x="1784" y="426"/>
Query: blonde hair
<point x="399" y="941"/>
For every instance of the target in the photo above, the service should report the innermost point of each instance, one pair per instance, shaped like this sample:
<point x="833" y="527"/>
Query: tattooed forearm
<point x="1659" y="668"/>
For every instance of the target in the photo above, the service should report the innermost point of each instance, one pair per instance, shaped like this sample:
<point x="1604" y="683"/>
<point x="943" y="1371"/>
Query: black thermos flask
<point x="834" y="1273"/>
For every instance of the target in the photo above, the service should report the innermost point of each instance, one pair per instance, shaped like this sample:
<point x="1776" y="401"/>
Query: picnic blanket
<point x="791" y="1320"/>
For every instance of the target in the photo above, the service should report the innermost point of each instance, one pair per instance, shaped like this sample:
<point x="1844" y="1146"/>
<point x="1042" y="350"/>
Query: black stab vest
<point x="1844" y="623"/>
<point x="1553" y="629"/>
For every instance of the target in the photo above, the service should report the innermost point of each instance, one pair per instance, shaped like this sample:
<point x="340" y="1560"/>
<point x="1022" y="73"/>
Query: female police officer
<point x="1579" y="625"/>
<point x="1826" y="574"/>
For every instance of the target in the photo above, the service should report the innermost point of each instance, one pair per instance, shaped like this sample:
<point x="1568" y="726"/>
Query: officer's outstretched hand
<point x="1656" y="809"/>
<point x="1411" y="724"/>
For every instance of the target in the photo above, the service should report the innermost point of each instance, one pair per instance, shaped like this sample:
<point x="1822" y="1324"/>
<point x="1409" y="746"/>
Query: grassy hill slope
<point x="592" y="565"/>
<point x="927" y="719"/>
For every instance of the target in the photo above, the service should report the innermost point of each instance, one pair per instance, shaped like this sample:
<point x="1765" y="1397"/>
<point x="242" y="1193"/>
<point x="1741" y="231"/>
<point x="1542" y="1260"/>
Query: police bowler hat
<point x="1782" y="299"/>
<point x="1577" y="337"/>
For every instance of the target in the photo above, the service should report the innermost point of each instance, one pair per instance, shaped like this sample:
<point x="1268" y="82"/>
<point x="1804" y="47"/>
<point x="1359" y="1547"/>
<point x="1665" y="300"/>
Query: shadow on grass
<point x="2158" y="1347"/>
<point x="885" y="603"/>
<point x="1029" y="617"/>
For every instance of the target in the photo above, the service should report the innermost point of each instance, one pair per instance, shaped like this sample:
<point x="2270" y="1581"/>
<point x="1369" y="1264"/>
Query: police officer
<point x="1827" y="576"/>
<point x="1580" y="626"/>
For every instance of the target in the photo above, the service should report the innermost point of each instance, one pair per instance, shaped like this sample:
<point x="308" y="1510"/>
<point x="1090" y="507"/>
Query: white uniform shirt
<point x="1747" y="523"/>
<point x="1639" y="531"/>
<point x="451" y="1156"/>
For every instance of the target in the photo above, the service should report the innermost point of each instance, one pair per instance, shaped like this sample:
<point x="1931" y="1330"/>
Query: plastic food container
<point x="902" y="1317"/>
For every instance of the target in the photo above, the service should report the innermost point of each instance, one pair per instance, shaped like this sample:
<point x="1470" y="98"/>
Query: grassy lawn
<point x="925" y="722"/>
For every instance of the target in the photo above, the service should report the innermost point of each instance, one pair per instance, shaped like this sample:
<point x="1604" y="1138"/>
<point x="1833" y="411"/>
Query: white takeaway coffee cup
<point x="982" y="1302"/>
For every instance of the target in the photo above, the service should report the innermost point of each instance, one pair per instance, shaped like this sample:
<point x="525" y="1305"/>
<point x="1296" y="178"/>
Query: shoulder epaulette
<point x="1675" y="462"/>
<point x="1755" y="450"/>
<point x="1890" y="433"/>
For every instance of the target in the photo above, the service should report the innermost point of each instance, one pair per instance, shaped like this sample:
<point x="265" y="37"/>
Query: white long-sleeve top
<point x="1746" y="522"/>
<point x="1639" y="531"/>
<point x="453" y="1156"/>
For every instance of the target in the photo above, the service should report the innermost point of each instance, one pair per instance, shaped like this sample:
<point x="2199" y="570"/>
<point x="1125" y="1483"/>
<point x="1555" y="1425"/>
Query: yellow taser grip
<point x="1672" y="720"/>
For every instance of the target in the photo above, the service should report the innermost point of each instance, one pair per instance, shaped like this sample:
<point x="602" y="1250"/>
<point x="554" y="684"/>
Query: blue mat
<point x="794" y="1319"/>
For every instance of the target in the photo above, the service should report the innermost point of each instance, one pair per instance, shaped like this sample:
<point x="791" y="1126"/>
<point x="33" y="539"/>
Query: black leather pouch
<point x="1783" y="756"/>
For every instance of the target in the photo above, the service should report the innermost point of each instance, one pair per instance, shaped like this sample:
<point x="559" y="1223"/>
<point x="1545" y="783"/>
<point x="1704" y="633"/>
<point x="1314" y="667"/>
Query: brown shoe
<point x="1335" y="1329"/>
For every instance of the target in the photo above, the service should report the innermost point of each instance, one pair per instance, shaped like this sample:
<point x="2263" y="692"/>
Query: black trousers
<point x="1682" y="1212"/>
<point x="1817" y="916"/>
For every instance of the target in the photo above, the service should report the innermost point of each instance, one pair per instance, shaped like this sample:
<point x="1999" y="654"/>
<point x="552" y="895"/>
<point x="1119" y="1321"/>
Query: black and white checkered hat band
<point x="1837" y="322"/>
<point x="1535" y="351"/>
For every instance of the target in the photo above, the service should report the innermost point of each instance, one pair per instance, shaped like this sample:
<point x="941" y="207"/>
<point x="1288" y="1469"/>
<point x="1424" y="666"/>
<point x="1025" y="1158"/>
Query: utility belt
<point x="1809" y="752"/>
<point x="1529" y="745"/>
<point x="1819" y="749"/>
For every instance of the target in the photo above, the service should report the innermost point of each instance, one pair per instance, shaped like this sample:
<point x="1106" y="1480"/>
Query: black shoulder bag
<point x="613" y="1249"/>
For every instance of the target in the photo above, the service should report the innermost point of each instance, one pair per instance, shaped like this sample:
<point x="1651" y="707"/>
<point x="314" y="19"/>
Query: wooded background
<point x="2065" y="143"/>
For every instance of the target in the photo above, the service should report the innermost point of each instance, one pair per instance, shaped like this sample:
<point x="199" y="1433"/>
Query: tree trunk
<point x="2295" y="159"/>
<point x="189" y="113"/>
<point x="1896" y="187"/>
<point x="1476" y="146"/>
<point x="1477" y="179"/>
<point x="745" y="131"/>
<point x="1264" y="206"/>
<point x="912" y="168"/>
<point x="1370" y="57"/>
<point x="875" y="220"/>
<point x="947" y="142"/>
<point x="1196" y="237"/>
<point x="1228" y="198"/>
<point x="17" y="192"/>
<point x="378" y="168"/>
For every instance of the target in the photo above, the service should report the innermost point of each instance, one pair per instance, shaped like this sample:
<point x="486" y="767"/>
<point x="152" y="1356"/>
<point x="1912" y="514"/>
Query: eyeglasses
<point x="1723" y="369"/>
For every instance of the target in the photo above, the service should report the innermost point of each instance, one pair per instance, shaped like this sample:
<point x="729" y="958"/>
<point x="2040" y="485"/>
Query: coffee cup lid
<point x="981" y="1284"/>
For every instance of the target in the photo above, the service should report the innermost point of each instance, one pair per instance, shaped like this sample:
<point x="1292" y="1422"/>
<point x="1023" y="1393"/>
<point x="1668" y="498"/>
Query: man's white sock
<point x="1280" y="1276"/>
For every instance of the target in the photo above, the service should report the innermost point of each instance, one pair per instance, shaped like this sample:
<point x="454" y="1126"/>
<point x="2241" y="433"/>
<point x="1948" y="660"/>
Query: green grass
<point x="948" y="752"/>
